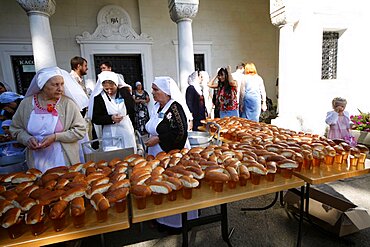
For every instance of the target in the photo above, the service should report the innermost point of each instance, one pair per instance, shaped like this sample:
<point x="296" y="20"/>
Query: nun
<point x="168" y="129"/>
<point x="48" y="120"/>
<point x="108" y="111"/>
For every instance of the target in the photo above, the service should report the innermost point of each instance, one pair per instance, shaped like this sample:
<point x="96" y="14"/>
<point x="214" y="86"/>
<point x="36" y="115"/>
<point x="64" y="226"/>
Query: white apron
<point x="40" y="126"/>
<point x="151" y="128"/>
<point x="122" y="129"/>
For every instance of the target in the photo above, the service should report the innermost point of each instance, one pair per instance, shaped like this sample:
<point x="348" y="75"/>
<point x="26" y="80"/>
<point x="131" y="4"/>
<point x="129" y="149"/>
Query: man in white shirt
<point x="79" y="69"/>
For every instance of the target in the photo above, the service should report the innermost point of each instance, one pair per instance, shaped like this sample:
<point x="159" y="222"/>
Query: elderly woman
<point x="168" y="127"/>
<point x="141" y="98"/>
<point x="195" y="100"/>
<point x="107" y="108"/>
<point x="48" y="121"/>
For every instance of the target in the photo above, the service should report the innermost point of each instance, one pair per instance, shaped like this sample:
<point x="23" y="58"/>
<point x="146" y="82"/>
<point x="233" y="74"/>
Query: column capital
<point x="182" y="9"/>
<point x="46" y="7"/>
<point x="284" y="12"/>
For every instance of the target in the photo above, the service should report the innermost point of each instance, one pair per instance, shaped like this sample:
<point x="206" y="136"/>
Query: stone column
<point x="42" y="42"/>
<point x="181" y="12"/>
<point x="284" y="15"/>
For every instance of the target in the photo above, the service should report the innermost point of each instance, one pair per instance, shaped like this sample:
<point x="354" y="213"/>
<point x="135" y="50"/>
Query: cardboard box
<point x="331" y="213"/>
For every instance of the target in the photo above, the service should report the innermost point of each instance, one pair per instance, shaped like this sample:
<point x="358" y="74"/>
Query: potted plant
<point x="360" y="127"/>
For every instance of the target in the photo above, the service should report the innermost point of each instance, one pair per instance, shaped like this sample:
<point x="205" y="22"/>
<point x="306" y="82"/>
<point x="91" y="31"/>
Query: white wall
<point x="314" y="95"/>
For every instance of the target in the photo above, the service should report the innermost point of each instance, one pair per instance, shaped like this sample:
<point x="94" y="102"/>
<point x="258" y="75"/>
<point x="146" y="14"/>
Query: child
<point x="338" y="120"/>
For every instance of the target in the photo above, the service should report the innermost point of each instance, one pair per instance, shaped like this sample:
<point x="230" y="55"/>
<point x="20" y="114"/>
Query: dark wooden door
<point x="127" y="65"/>
<point x="24" y="71"/>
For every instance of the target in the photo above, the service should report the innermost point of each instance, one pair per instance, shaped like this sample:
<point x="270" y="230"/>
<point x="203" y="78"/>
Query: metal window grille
<point x="329" y="55"/>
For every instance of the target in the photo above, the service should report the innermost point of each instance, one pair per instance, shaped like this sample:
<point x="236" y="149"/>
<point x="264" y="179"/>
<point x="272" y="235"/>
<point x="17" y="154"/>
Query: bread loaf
<point x="35" y="214"/>
<point x="77" y="206"/>
<point x="141" y="190"/>
<point x="99" y="202"/>
<point x="11" y="217"/>
<point x="73" y="193"/>
<point x="58" y="209"/>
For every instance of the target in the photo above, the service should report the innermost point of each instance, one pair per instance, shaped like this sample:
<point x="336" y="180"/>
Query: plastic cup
<point x="218" y="186"/>
<point x="187" y="193"/>
<point x="307" y="163"/>
<point x="232" y="184"/>
<point x="316" y="162"/>
<point x="270" y="177"/>
<point x="140" y="202"/>
<point x="16" y="230"/>
<point x="60" y="223"/>
<point x="345" y="158"/>
<point x="362" y="158"/>
<point x="79" y="221"/>
<point x="287" y="173"/>
<point x="157" y="198"/>
<point x="353" y="161"/>
<point x="38" y="228"/>
<point x="242" y="181"/>
<point x="338" y="158"/>
<point x="255" y="178"/>
<point x="172" y="196"/>
<point x="121" y="205"/>
<point x="329" y="160"/>
<point x="101" y="215"/>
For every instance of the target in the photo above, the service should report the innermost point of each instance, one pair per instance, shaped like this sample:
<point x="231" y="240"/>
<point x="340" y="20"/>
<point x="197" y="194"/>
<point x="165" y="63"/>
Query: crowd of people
<point x="113" y="108"/>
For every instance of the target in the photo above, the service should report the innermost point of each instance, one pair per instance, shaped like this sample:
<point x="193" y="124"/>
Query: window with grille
<point x="329" y="55"/>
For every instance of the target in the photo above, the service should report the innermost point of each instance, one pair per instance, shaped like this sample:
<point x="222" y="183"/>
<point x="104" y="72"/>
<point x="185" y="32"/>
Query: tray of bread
<point x="34" y="200"/>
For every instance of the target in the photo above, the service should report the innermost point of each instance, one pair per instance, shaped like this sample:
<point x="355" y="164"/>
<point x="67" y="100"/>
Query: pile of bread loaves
<point x="32" y="197"/>
<point x="255" y="151"/>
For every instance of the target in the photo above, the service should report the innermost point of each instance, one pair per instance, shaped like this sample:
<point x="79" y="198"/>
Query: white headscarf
<point x="8" y="97"/>
<point x="193" y="80"/>
<point x="104" y="76"/>
<point x="6" y="123"/>
<point x="71" y="88"/>
<point x="169" y="87"/>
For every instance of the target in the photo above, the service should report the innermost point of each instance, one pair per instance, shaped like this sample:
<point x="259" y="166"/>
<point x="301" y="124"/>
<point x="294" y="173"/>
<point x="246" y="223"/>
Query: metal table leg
<point x="307" y="208"/>
<point x="226" y="235"/>
<point x="184" y="218"/>
<point x="301" y="215"/>
<point x="263" y="208"/>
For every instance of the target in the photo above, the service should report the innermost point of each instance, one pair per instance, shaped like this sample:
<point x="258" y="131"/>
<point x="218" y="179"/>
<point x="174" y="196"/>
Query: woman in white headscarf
<point x="167" y="128"/>
<point x="48" y="120"/>
<point x="108" y="108"/>
<point x="195" y="100"/>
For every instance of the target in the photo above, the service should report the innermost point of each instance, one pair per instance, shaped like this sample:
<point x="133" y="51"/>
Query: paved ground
<point x="273" y="227"/>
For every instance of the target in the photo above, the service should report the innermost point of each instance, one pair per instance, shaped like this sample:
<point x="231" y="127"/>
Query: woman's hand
<point x="32" y="143"/>
<point x="153" y="140"/>
<point x="117" y="118"/>
<point x="47" y="141"/>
